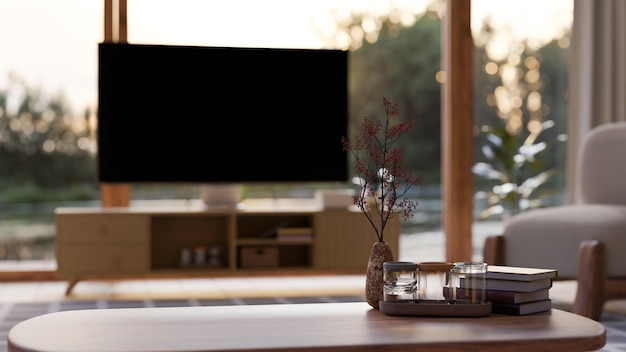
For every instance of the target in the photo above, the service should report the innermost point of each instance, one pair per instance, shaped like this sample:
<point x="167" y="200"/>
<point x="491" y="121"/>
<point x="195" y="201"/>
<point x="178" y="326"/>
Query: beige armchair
<point x="584" y="241"/>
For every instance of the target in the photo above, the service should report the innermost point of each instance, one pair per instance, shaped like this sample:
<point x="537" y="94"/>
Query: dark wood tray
<point x="434" y="309"/>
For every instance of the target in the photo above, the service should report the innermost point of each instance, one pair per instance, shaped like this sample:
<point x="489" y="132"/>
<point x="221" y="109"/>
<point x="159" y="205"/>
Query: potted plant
<point x="384" y="180"/>
<point x="515" y="162"/>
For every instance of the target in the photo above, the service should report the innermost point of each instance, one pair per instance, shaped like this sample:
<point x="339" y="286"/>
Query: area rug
<point x="13" y="313"/>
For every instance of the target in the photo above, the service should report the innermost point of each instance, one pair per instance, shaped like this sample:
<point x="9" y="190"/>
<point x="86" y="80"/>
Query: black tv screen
<point x="190" y="114"/>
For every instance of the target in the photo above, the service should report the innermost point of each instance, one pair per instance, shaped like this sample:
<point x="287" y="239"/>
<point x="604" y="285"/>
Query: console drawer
<point x="95" y="229"/>
<point x="103" y="259"/>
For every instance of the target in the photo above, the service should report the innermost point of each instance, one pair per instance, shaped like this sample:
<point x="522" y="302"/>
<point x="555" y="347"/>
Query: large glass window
<point x="48" y="90"/>
<point x="521" y="79"/>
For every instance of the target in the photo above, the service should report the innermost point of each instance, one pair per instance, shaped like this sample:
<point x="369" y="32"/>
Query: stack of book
<point x="294" y="234"/>
<point x="518" y="290"/>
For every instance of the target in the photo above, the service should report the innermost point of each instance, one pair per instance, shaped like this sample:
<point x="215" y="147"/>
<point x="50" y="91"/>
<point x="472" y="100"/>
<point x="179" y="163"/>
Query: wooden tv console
<point x="150" y="241"/>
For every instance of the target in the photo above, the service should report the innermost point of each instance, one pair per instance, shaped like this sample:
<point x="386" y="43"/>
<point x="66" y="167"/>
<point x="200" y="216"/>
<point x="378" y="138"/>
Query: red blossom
<point x="385" y="179"/>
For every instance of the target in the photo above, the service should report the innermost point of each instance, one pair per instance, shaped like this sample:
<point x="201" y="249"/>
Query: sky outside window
<point x="53" y="44"/>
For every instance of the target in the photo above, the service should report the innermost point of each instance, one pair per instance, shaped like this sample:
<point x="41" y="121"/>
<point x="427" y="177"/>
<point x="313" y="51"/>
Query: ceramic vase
<point x="380" y="253"/>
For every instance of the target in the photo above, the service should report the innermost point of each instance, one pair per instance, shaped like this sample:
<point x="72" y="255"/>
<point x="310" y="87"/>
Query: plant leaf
<point x="487" y="171"/>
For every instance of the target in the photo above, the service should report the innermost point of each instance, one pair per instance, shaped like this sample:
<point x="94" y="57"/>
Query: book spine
<point x="519" y="286"/>
<point x="517" y="297"/>
<point x="521" y="308"/>
<point x="292" y="231"/>
<point x="294" y="238"/>
<point x="519" y="273"/>
<point x="490" y="295"/>
<point x="508" y="309"/>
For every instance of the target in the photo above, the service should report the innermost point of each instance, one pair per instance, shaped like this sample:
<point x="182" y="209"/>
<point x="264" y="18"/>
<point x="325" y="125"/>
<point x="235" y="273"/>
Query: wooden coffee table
<point x="298" y="327"/>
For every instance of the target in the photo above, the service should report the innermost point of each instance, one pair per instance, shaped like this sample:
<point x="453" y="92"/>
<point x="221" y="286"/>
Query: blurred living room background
<point x="48" y="93"/>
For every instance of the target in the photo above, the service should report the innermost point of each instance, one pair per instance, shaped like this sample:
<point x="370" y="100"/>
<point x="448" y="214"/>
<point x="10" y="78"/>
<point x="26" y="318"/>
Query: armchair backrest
<point x="602" y="166"/>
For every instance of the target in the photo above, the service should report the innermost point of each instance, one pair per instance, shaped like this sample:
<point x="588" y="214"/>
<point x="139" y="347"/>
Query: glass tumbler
<point x="400" y="281"/>
<point x="467" y="282"/>
<point x="433" y="280"/>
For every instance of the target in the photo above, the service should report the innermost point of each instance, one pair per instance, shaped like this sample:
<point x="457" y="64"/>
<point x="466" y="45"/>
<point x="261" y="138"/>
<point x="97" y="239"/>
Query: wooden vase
<point x="381" y="252"/>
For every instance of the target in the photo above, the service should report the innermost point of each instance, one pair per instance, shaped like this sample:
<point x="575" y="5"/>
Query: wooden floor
<point x="184" y="288"/>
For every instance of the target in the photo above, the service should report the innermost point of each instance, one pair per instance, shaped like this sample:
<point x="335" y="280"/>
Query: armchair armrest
<point x="493" y="251"/>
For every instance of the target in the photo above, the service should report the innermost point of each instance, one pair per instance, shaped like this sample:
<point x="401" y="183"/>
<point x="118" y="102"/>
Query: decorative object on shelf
<point x="214" y="253"/>
<point x="335" y="198"/>
<point x="384" y="181"/>
<point x="199" y="255"/>
<point x="221" y="195"/>
<point x="185" y="257"/>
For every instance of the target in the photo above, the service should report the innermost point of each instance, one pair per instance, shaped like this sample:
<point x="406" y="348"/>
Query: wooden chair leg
<point x="70" y="285"/>
<point x="493" y="251"/>
<point x="591" y="277"/>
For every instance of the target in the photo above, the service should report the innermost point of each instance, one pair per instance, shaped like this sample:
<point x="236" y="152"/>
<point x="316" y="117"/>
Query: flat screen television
<point x="190" y="114"/>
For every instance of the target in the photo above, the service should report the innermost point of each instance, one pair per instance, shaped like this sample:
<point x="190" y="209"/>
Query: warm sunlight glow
<point x="491" y="68"/>
<point x="533" y="102"/>
<point x="64" y="57"/>
<point x="538" y="21"/>
<point x="440" y="76"/>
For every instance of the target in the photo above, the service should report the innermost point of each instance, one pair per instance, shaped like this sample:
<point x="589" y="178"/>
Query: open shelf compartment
<point x="171" y="235"/>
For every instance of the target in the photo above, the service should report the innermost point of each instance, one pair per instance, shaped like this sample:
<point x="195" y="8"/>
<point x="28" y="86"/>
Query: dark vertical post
<point x="115" y="195"/>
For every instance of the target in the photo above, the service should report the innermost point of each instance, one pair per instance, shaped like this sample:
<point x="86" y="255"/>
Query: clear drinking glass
<point x="400" y="281"/>
<point x="467" y="282"/>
